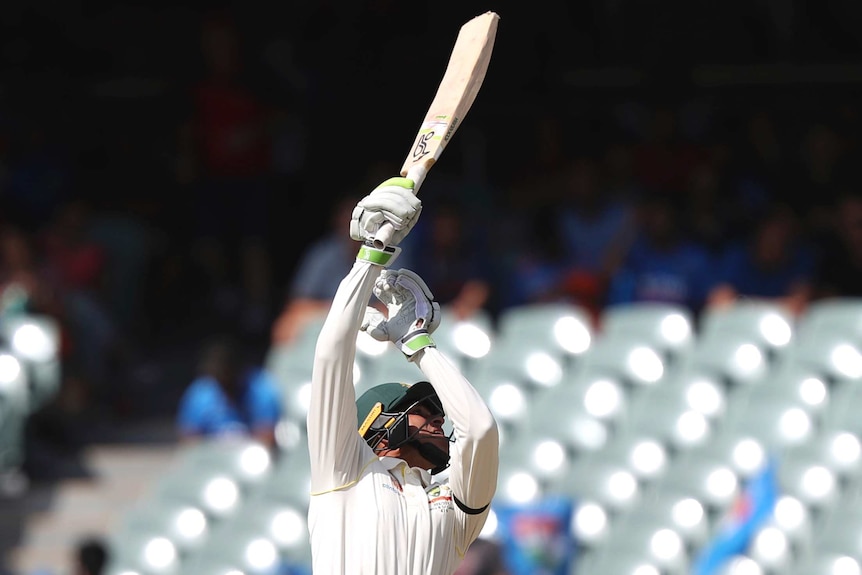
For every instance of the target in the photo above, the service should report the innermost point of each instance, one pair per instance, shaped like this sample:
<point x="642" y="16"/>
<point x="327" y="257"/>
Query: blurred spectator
<point x="39" y="173"/>
<point x="536" y="270"/>
<point x="483" y="557"/>
<point x="91" y="557"/>
<point x="839" y="272"/>
<point x="818" y="173"/>
<point x="225" y="154"/>
<point x="662" y="160"/>
<point x="25" y="285"/>
<point x="774" y="264"/>
<point x="228" y="397"/>
<point x="445" y="250"/>
<point x="317" y="276"/>
<point x="662" y="265"/>
<point x="709" y="209"/>
<point x="76" y="266"/>
<point x="758" y="164"/>
<point x="595" y="228"/>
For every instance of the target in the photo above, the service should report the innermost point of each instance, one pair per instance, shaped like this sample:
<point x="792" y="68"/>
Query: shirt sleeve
<point x="336" y="449"/>
<point x="474" y="458"/>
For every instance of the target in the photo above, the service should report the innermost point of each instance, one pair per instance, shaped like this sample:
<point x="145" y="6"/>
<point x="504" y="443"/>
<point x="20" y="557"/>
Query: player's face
<point x="429" y="424"/>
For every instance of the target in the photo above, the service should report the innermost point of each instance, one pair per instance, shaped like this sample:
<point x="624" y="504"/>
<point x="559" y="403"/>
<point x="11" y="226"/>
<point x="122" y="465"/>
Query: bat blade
<point x="464" y="75"/>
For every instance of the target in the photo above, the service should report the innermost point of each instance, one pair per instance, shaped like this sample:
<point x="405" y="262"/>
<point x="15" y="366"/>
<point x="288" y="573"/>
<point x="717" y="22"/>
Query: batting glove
<point x="392" y="201"/>
<point x="413" y="315"/>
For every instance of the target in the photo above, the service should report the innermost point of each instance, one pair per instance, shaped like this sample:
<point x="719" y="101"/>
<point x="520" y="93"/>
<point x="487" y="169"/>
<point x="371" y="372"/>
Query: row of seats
<point x="652" y="424"/>
<point x="29" y="378"/>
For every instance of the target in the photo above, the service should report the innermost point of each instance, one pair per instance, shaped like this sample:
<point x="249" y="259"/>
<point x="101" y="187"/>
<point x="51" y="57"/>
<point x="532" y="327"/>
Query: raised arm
<point x="413" y="316"/>
<point x="334" y="444"/>
<point x="474" y="459"/>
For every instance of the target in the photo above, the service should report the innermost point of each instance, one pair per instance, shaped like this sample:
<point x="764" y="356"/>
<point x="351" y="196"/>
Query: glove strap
<point x="379" y="257"/>
<point x="415" y="341"/>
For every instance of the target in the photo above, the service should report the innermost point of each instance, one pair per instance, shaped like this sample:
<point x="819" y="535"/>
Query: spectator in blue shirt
<point x="662" y="265"/>
<point x="774" y="265"/>
<point x="228" y="399"/>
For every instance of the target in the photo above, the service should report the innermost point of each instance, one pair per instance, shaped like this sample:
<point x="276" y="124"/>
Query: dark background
<point x="96" y="99"/>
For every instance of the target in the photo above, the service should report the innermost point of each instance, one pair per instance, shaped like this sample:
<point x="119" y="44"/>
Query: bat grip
<point x="384" y="233"/>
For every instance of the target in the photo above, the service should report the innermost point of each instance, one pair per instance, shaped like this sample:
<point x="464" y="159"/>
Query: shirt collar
<point x="391" y="463"/>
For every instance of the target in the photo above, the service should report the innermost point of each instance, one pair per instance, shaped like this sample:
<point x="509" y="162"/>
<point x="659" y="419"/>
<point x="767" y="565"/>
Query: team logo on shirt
<point x="439" y="498"/>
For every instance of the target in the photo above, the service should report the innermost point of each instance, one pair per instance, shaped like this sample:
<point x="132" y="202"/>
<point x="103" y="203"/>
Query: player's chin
<point x="439" y="441"/>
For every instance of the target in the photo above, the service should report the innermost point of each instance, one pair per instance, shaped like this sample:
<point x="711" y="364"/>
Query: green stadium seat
<point x="733" y="360"/>
<point x="186" y="526"/>
<point x="280" y="522"/>
<point x="667" y="327"/>
<point x="215" y="492"/>
<point x="248" y="553"/>
<point x="627" y="358"/>
<point x="833" y="355"/>
<point x="540" y="325"/>
<point x="144" y="552"/>
<point x="652" y="540"/>
<point x="768" y="325"/>
<point x="840" y="314"/>
<point x="582" y="414"/>
<point x="246" y="460"/>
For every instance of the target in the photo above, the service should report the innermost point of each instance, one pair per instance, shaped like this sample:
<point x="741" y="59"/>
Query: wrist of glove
<point x="412" y="313"/>
<point x="377" y="256"/>
<point x="392" y="201"/>
<point x="415" y="341"/>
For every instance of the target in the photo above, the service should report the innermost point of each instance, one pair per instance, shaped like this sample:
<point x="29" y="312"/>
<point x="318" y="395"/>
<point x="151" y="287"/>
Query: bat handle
<point x="383" y="236"/>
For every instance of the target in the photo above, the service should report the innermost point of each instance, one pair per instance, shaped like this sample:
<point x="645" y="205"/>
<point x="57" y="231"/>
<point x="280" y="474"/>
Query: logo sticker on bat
<point x="421" y="149"/>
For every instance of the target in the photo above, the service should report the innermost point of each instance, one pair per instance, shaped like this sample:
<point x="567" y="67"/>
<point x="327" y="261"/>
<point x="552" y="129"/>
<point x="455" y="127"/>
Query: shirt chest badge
<point x="439" y="498"/>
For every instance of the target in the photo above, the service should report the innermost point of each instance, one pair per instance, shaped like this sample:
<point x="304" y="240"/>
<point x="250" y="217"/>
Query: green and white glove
<point x="392" y="201"/>
<point x="413" y="315"/>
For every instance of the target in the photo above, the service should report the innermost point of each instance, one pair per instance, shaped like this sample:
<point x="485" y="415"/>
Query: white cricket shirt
<point x="373" y="515"/>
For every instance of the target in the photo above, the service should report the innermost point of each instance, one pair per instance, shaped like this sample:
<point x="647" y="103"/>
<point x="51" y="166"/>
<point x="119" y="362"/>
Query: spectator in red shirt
<point x="226" y="156"/>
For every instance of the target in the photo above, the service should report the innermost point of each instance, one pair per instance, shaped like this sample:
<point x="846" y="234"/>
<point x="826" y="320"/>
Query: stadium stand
<point x="659" y="457"/>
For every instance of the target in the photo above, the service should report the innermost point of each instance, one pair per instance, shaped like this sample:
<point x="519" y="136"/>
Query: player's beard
<point x="438" y="440"/>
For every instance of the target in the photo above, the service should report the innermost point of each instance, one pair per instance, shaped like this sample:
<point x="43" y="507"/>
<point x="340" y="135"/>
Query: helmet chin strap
<point x="436" y="456"/>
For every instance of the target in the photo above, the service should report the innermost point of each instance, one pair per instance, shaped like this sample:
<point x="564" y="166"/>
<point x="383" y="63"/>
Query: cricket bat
<point x="456" y="93"/>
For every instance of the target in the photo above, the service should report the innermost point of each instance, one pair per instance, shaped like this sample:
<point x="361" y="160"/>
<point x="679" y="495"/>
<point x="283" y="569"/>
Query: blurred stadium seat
<point x="592" y="478"/>
<point x="768" y="325"/>
<point x="144" y="551"/>
<point x="831" y="354"/>
<point x="663" y="414"/>
<point x="185" y="526"/>
<point x="651" y="539"/>
<point x="735" y="360"/>
<point x="667" y="327"/>
<point x="245" y="460"/>
<point x="825" y="563"/>
<point x="581" y="414"/>
<point x="618" y="563"/>
<point x="626" y="358"/>
<point x="12" y="421"/>
<point x="215" y="492"/>
<point x="842" y="315"/>
<point x="654" y="451"/>
<point x="560" y="329"/>
<point x="780" y="422"/>
<point x="34" y="342"/>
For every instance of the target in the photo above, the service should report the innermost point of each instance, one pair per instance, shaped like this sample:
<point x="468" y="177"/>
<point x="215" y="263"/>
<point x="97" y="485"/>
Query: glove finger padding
<point x="398" y="205"/>
<point x="392" y="201"/>
<point x="420" y="293"/>
<point x="374" y="324"/>
<point x="384" y="289"/>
